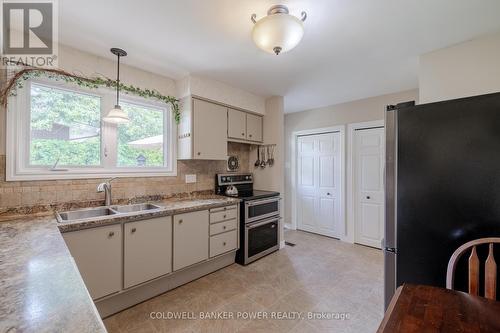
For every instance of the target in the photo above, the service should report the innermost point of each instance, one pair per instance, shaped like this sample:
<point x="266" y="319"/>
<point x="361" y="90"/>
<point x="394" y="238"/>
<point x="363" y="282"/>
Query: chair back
<point x="490" y="267"/>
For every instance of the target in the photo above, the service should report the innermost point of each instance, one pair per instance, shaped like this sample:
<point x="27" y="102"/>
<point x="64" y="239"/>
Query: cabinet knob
<point x="328" y="193"/>
<point x="133" y="230"/>
<point x="225" y="216"/>
<point x="225" y="208"/>
<point x="199" y="153"/>
<point x="224" y="244"/>
<point x="250" y="135"/>
<point x="242" y="134"/>
<point x="180" y="221"/>
<point x="224" y="227"/>
<point x="111" y="234"/>
<point x="368" y="197"/>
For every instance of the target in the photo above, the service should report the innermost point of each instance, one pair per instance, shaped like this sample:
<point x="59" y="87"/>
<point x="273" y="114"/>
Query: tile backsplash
<point x="48" y="192"/>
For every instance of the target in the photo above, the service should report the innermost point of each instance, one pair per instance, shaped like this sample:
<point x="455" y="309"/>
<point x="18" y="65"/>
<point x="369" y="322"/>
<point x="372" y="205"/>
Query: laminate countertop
<point x="41" y="289"/>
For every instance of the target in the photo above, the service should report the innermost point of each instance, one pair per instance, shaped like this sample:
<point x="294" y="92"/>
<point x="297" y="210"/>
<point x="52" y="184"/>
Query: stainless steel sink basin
<point x="83" y="214"/>
<point x="135" y="208"/>
<point x="101" y="212"/>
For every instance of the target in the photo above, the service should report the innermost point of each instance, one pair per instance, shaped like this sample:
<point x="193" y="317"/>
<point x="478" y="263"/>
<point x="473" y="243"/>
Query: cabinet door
<point x="191" y="234"/>
<point x="147" y="250"/>
<point x="236" y="124"/>
<point x="98" y="255"/>
<point x="254" y="128"/>
<point x="210" y="131"/>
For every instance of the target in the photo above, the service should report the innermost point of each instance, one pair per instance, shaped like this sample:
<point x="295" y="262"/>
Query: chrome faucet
<point x="106" y="188"/>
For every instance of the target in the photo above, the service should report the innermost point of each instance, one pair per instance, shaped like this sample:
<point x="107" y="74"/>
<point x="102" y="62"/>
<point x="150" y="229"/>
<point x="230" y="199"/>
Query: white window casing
<point x="18" y="134"/>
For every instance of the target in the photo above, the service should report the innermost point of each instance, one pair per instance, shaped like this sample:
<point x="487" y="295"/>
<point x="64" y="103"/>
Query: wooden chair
<point x="490" y="269"/>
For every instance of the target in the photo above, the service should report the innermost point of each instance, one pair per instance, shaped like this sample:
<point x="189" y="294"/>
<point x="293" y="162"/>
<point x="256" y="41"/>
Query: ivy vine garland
<point x="17" y="81"/>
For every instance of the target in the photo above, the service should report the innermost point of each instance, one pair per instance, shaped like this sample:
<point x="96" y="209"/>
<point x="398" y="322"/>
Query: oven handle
<point x="260" y="202"/>
<point x="259" y="223"/>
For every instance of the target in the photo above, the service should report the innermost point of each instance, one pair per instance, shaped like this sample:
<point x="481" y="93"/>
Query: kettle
<point x="231" y="191"/>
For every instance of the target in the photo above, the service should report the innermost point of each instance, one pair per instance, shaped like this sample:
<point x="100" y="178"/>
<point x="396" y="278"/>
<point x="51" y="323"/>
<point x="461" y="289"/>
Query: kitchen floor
<point x="341" y="283"/>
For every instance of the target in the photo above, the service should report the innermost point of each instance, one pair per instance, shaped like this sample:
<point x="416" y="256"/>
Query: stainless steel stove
<point x="259" y="216"/>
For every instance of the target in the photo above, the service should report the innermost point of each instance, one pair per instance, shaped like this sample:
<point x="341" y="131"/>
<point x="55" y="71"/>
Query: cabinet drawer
<point x="223" y="215"/>
<point x="222" y="243"/>
<point x="220" y="209"/>
<point x="217" y="228"/>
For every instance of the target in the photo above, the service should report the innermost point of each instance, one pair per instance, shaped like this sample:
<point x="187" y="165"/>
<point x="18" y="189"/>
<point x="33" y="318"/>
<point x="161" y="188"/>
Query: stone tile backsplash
<point x="49" y="192"/>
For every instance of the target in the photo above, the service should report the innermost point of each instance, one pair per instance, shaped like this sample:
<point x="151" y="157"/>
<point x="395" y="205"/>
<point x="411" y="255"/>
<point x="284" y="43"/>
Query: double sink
<point x="102" y="212"/>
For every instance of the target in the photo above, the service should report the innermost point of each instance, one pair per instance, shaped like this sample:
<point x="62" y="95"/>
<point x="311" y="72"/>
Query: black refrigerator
<point x="442" y="187"/>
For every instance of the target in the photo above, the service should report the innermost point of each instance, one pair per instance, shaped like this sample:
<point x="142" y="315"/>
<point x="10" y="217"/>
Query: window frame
<point x="18" y="138"/>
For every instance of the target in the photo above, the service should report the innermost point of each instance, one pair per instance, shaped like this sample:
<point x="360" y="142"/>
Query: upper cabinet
<point x="254" y="128"/>
<point x="202" y="133"/>
<point x="236" y="124"/>
<point x="206" y="127"/>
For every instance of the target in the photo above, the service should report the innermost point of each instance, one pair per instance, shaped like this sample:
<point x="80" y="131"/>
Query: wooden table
<point x="417" y="308"/>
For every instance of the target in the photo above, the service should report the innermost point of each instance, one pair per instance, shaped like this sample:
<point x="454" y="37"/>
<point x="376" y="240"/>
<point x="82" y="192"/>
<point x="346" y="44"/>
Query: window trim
<point x="18" y="138"/>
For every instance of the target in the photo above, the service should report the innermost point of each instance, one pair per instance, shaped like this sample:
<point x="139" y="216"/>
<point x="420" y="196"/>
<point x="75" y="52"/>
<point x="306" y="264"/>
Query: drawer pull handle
<point x="180" y="221"/>
<point x="133" y="230"/>
<point x="224" y="244"/>
<point x="111" y="234"/>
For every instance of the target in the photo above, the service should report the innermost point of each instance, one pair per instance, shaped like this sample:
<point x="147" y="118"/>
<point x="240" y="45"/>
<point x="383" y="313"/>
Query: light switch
<point x="190" y="179"/>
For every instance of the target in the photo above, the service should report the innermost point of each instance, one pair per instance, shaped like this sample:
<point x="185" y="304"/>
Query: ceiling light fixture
<point x="279" y="31"/>
<point x="117" y="115"/>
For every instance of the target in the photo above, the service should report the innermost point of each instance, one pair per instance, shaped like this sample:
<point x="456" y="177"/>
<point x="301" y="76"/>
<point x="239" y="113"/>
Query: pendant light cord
<point x="118" y="83"/>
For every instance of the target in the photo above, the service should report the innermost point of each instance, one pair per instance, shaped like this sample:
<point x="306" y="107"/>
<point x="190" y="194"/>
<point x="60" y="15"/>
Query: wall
<point x="466" y="69"/>
<point x="352" y="112"/>
<point x="220" y="92"/>
<point x="272" y="178"/>
<point x="44" y="193"/>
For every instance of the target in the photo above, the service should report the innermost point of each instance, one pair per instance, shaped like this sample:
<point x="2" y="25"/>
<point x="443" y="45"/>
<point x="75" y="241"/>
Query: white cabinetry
<point x="202" y="133"/>
<point x="191" y="233"/>
<point x="254" y="128"/>
<point x="147" y="250"/>
<point x="236" y="124"/>
<point x="98" y="255"/>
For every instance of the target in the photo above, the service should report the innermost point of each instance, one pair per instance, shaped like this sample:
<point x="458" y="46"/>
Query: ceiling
<point x="351" y="49"/>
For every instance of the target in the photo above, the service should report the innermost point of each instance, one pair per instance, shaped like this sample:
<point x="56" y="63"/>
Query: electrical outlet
<point x="190" y="179"/>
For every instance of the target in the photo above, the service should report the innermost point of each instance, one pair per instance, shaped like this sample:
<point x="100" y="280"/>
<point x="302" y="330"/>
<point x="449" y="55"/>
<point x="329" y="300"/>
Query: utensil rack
<point x="267" y="155"/>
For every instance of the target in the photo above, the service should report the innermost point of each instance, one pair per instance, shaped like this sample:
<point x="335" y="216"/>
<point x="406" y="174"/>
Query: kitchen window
<point x="55" y="131"/>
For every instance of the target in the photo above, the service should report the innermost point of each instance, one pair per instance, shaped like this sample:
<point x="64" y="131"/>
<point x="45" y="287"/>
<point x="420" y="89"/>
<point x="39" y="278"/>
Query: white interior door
<point x="319" y="176"/>
<point x="368" y="171"/>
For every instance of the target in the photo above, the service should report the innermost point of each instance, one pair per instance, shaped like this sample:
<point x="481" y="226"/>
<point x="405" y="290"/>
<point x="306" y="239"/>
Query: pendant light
<point x="117" y="115"/>
<point x="279" y="31"/>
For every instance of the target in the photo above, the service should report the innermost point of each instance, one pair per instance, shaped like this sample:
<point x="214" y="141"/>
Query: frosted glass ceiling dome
<point x="279" y="31"/>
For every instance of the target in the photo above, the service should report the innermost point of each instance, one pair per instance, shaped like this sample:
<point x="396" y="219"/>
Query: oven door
<point x="261" y="209"/>
<point x="261" y="238"/>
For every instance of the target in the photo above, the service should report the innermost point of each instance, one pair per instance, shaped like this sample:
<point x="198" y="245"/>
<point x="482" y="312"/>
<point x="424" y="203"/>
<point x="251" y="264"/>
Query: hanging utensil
<point x="268" y="156"/>
<point x="263" y="162"/>
<point x="271" y="157"/>
<point x="257" y="163"/>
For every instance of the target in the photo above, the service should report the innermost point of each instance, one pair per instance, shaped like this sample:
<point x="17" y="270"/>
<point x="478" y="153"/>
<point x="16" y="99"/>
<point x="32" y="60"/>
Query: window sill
<point x="88" y="174"/>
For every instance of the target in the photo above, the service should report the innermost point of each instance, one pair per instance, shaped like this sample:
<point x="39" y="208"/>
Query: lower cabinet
<point x="98" y="255"/>
<point x="223" y="243"/>
<point x="191" y="234"/>
<point x="147" y="250"/>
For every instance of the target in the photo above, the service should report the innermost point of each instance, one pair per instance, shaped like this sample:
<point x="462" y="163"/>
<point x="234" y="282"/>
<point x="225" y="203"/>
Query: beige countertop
<point x="41" y="289"/>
